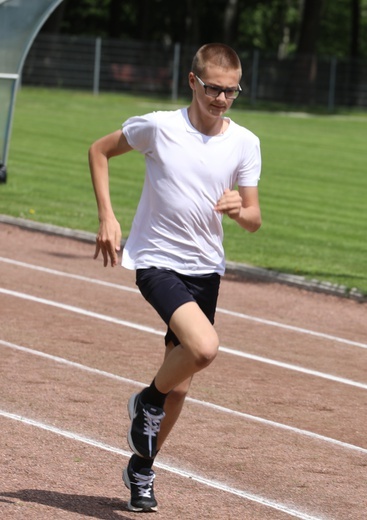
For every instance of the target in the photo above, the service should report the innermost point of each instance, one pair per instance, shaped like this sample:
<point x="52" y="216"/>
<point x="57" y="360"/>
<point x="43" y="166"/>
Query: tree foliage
<point x="328" y="27"/>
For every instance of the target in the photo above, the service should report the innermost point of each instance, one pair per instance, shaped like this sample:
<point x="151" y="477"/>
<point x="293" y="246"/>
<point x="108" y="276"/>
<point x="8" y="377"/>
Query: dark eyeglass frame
<point x="227" y="91"/>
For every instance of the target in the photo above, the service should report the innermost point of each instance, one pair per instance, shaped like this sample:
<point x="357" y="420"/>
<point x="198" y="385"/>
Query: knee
<point x="204" y="359"/>
<point x="206" y="352"/>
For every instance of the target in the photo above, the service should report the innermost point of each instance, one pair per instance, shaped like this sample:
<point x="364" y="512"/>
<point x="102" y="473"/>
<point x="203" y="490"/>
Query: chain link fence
<point x="123" y="66"/>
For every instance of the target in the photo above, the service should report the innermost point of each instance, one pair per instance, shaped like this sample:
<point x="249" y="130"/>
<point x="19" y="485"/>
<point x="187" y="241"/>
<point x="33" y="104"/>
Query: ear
<point x="192" y="81"/>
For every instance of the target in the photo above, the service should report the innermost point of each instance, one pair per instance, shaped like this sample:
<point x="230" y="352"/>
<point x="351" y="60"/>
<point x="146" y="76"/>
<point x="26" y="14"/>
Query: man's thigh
<point x="168" y="291"/>
<point x="163" y="289"/>
<point x="194" y="330"/>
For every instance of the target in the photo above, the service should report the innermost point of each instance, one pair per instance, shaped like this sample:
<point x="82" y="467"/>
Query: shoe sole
<point x="126" y="480"/>
<point x="131" y="410"/>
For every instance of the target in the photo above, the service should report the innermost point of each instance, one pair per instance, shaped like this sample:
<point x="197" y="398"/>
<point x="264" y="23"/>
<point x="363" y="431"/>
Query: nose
<point x="221" y="96"/>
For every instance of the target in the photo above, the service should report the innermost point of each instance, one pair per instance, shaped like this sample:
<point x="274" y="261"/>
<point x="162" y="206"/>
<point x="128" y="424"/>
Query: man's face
<point x="217" y="77"/>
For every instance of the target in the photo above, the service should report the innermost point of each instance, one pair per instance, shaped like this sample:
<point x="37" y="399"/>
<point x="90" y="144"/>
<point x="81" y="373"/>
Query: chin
<point x="216" y="110"/>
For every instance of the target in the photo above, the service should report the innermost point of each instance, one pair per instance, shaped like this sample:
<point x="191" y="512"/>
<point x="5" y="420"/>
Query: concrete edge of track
<point x="240" y="271"/>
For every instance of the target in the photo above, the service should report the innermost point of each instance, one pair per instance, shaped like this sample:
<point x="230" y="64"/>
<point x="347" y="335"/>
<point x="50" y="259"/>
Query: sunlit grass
<point x="312" y="191"/>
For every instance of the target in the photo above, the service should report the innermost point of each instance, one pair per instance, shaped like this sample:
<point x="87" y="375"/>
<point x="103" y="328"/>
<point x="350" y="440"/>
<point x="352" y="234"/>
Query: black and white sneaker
<point x="145" y="425"/>
<point x="141" y="488"/>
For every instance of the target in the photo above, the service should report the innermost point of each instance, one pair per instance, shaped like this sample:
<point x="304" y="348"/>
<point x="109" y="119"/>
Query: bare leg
<point x="199" y="347"/>
<point x="173" y="405"/>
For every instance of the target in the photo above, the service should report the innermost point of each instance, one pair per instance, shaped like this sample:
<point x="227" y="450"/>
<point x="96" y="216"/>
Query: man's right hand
<point x="108" y="241"/>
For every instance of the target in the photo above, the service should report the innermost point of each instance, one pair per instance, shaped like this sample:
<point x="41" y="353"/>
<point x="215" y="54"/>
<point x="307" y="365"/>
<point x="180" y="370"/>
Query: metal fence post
<point x="8" y="99"/>
<point x="97" y="65"/>
<point x="254" y="76"/>
<point x="176" y="70"/>
<point x="332" y="84"/>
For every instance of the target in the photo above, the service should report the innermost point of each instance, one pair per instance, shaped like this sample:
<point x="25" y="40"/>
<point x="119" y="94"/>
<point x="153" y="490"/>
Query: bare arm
<point x="242" y="206"/>
<point x="109" y="233"/>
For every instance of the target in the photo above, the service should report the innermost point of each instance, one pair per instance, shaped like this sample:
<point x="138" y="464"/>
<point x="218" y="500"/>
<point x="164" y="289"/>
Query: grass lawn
<point x="313" y="188"/>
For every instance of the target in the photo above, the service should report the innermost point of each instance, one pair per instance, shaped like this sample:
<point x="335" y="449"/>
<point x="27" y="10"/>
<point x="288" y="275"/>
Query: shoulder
<point x="168" y="118"/>
<point x="146" y="119"/>
<point x="243" y="133"/>
<point x="141" y="132"/>
<point x="156" y="116"/>
<point x="153" y="120"/>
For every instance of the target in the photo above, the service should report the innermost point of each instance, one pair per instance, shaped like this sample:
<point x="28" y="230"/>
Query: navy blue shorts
<point x="167" y="290"/>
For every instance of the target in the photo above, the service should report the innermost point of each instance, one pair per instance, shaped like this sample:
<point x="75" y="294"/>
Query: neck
<point x="207" y="125"/>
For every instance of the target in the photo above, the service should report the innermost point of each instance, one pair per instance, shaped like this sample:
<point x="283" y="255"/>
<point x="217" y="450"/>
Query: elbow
<point x="94" y="149"/>
<point x="91" y="153"/>
<point x="254" y="228"/>
<point x="255" y="225"/>
<point x="250" y="218"/>
<point x="96" y="154"/>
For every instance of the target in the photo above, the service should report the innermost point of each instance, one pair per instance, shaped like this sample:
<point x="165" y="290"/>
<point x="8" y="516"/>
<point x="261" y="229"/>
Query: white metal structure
<point x="20" y="21"/>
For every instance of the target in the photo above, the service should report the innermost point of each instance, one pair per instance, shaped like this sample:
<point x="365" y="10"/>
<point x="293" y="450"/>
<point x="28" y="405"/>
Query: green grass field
<point x="313" y="188"/>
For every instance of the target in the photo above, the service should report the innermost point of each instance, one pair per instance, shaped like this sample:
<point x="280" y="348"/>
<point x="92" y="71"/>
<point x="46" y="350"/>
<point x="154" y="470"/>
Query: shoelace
<point x="144" y="484"/>
<point x="152" y="424"/>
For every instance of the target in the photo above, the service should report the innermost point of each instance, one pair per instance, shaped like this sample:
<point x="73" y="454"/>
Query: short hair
<point x="217" y="54"/>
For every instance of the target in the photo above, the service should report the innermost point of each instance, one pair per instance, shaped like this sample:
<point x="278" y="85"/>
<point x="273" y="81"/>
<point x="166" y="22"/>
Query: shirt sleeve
<point x="249" y="173"/>
<point x="140" y="132"/>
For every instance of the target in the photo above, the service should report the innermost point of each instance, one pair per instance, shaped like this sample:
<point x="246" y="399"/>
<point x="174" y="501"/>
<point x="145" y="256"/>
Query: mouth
<point x="219" y="107"/>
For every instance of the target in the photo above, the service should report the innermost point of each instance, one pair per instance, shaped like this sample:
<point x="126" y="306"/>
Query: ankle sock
<point x="138" y="463"/>
<point x="151" y="395"/>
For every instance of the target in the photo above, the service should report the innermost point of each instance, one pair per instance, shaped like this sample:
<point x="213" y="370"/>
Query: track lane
<point x="299" y="472"/>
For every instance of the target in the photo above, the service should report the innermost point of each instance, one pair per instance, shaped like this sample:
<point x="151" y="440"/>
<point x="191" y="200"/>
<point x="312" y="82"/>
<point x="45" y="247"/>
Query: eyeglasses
<point x="230" y="93"/>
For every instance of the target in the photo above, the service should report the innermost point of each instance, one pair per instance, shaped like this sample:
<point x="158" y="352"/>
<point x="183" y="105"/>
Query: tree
<point x="354" y="48"/>
<point x="302" y="81"/>
<point x="305" y="27"/>
<point x="114" y="12"/>
<point x="53" y="23"/>
<point x="307" y="43"/>
<point x="355" y="28"/>
<point x="230" y="22"/>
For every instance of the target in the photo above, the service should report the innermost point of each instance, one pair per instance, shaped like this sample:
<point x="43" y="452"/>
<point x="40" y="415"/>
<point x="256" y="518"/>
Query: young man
<point x="195" y="157"/>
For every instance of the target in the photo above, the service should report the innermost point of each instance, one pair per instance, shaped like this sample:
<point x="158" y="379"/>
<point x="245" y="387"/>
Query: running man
<point x="200" y="165"/>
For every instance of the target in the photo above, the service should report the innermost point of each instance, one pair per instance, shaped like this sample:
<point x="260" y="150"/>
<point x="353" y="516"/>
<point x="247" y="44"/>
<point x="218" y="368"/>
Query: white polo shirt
<point x="175" y="226"/>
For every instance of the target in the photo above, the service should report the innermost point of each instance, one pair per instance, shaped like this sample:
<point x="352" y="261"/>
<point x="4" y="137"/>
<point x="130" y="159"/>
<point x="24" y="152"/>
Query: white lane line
<point x="295" y="368"/>
<point x="171" y="469"/>
<point x="220" y="310"/>
<point x="150" y="330"/>
<point x="205" y="404"/>
<point x="81" y="311"/>
<point x="293" y="328"/>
